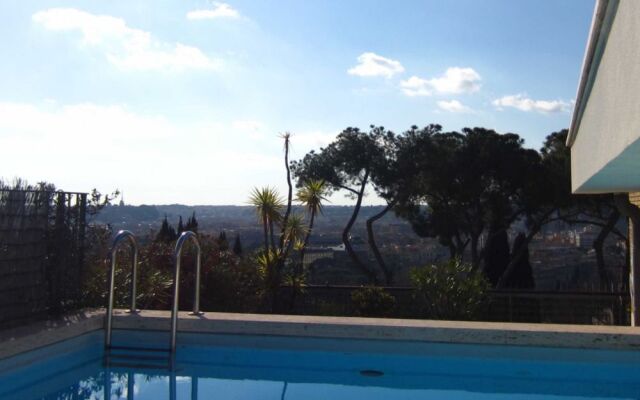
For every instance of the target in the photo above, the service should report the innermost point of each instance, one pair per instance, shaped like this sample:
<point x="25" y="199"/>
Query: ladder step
<point x="133" y="348"/>
<point x="117" y="364"/>
<point x="137" y="357"/>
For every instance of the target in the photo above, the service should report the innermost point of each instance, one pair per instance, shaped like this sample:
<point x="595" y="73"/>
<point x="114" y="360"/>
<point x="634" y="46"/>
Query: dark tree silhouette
<point x="192" y="223"/>
<point x="393" y="178"/>
<point x="548" y="198"/>
<point x="595" y="209"/>
<point x="497" y="256"/>
<point x="223" y="243"/>
<point x="237" y="246"/>
<point x="522" y="275"/>
<point x="180" y="226"/>
<point x="345" y="164"/>
<point x="166" y="234"/>
<point x="465" y="184"/>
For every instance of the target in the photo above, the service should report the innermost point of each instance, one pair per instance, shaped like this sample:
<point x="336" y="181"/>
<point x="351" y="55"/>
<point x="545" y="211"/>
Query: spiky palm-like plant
<point x="295" y="231"/>
<point x="268" y="205"/>
<point x="312" y="194"/>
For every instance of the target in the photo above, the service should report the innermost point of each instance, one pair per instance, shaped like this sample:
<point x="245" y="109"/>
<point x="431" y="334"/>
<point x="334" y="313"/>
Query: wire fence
<point x="562" y="307"/>
<point x="42" y="235"/>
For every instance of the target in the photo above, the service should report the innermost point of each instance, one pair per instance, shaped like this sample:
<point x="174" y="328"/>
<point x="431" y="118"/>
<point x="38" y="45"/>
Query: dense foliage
<point x="373" y="301"/>
<point x="225" y="277"/>
<point x="468" y="189"/>
<point x="449" y="290"/>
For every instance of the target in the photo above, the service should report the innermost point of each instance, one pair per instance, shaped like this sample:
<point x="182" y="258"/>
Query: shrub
<point x="449" y="290"/>
<point x="231" y="284"/>
<point x="228" y="282"/>
<point x="154" y="273"/>
<point x="373" y="301"/>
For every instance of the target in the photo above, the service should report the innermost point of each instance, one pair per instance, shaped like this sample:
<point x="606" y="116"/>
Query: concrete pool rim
<point x="37" y="335"/>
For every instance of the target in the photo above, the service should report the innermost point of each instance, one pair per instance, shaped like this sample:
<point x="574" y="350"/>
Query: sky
<point x="183" y="101"/>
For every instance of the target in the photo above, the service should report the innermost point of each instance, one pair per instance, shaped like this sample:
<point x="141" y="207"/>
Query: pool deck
<point x="18" y="340"/>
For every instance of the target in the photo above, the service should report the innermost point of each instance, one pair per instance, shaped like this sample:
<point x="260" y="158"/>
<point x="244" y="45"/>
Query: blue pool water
<point x="263" y="367"/>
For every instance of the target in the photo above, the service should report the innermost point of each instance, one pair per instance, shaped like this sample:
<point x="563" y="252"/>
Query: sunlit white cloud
<point x="524" y="103"/>
<point x="455" y="80"/>
<point x="254" y="129"/>
<point x="453" y="106"/>
<point x="311" y="140"/>
<point x="88" y="144"/>
<point x="124" y="47"/>
<point x="219" y="10"/>
<point x="371" y="64"/>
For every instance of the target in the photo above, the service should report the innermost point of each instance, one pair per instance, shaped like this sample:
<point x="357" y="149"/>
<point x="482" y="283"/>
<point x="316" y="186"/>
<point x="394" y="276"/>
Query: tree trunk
<point x="598" y="245"/>
<point x="517" y="254"/>
<point x="285" y="218"/>
<point x="452" y="250"/>
<point x="307" y="236"/>
<point x="459" y="245"/>
<point x="388" y="276"/>
<point x="273" y="243"/>
<point x="265" y="225"/>
<point x="299" y="267"/>
<point x="633" y="213"/>
<point x="475" y="260"/>
<point x="347" y="229"/>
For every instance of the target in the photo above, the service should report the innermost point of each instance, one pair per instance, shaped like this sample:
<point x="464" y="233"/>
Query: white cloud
<point x="371" y="64"/>
<point x="84" y="121"/>
<point x="312" y="139"/>
<point x="247" y="125"/>
<point x="524" y="103"/>
<point x="125" y="47"/>
<point x="220" y="10"/>
<point x="81" y="146"/>
<point x="453" y="106"/>
<point x="454" y="81"/>
<point x="254" y="129"/>
<point x="415" y="86"/>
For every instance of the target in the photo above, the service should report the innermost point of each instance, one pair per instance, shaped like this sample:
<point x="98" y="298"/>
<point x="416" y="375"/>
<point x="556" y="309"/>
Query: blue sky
<point x="182" y="101"/>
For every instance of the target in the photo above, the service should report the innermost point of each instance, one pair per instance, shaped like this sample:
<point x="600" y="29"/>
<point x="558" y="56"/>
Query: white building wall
<point x="605" y="156"/>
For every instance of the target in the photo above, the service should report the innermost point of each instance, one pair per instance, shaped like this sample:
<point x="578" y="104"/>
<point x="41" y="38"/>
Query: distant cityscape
<point x="561" y="255"/>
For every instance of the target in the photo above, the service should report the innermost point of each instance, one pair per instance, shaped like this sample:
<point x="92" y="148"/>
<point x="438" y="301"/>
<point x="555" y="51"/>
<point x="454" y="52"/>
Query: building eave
<point x="590" y="63"/>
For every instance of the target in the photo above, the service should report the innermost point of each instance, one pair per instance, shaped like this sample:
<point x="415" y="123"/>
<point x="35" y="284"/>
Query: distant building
<point x="585" y="237"/>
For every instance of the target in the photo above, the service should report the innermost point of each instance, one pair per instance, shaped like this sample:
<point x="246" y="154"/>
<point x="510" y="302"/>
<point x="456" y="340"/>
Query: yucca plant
<point x="312" y="194"/>
<point x="295" y="232"/>
<point x="268" y="206"/>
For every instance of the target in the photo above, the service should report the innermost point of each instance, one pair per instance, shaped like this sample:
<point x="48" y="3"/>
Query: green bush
<point x="449" y="290"/>
<point x="231" y="284"/>
<point x="228" y="282"/>
<point x="373" y="301"/>
<point x="155" y="274"/>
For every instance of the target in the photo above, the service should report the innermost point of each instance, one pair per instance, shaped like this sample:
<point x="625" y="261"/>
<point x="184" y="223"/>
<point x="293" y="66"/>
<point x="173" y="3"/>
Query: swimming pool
<point x="219" y="366"/>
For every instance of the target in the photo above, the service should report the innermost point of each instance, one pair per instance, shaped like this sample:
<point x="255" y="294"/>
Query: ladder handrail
<point x="120" y="238"/>
<point x="176" y="282"/>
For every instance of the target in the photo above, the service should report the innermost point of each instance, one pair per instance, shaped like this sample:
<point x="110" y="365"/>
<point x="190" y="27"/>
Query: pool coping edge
<point x="30" y="337"/>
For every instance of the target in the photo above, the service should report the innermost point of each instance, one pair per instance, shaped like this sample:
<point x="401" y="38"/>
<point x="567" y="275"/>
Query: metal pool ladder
<point x="120" y="238"/>
<point x="176" y="283"/>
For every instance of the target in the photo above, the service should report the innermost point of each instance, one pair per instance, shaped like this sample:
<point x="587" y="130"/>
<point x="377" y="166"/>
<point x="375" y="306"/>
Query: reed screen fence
<point x="42" y="243"/>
